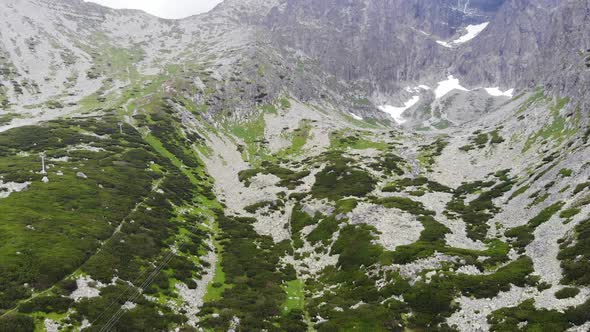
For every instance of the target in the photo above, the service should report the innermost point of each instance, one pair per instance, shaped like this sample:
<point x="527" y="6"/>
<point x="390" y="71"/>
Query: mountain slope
<point x="253" y="168"/>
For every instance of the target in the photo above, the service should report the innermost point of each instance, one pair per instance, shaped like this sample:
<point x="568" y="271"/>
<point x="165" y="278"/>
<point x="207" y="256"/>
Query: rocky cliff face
<point x="533" y="43"/>
<point x="391" y="43"/>
<point x="384" y="42"/>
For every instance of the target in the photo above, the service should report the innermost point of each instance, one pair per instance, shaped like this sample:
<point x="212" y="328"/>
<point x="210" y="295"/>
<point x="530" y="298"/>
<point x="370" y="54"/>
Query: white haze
<point x="173" y="9"/>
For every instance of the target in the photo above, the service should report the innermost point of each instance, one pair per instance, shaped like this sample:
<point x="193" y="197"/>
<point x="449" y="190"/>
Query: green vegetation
<point x="269" y="108"/>
<point x="145" y="314"/>
<point x="523" y="235"/>
<point x="361" y="101"/>
<point x="432" y="239"/>
<point x="404" y="204"/>
<point x="145" y="212"/>
<point x="47" y="304"/>
<point x="428" y="153"/>
<point x="421" y="183"/>
<point x="295" y="296"/>
<point x="263" y="204"/>
<point x="344" y="206"/>
<point x="567" y="292"/>
<point x="538" y="197"/>
<point x="289" y="178"/>
<point x="298" y="140"/>
<point x="480" y="140"/>
<point x="442" y="124"/>
<point x="29" y="216"/>
<point x="569" y="213"/>
<point x="559" y="129"/>
<point x="538" y="96"/>
<point x="17" y="323"/>
<point x="340" y="179"/>
<point x="324" y="230"/>
<point x="533" y="319"/>
<point x="565" y="172"/>
<point x="575" y="256"/>
<point x="467" y="148"/>
<point x="482" y="286"/>
<point x="250" y="262"/>
<point x="496" y="138"/>
<point x="581" y="186"/>
<point x="285" y="103"/>
<point x="340" y="141"/>
<point x="252" y="133"/>
<point x="432" y="301"/>
<point x="120" y="219"/>
<point x="480" y="210"/>
<point x="218" y="284"/>
<point x="356" y="249"/>
<point x="519" y="191"/>
<point x="389" y="164"/>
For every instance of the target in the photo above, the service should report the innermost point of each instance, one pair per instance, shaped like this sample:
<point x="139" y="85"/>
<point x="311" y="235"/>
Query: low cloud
<point x="163" y="8"/>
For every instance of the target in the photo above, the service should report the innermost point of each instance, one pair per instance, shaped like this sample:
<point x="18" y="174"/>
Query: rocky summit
<point x="296" y="165"/>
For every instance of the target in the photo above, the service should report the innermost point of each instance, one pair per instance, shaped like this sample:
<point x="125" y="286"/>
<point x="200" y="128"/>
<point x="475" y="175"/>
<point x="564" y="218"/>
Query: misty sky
<point x="163" y="8"/>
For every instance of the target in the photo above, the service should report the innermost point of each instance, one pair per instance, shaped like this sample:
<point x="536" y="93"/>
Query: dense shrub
<point x="339" y="180"/>
<point x="405" y="204"/>
<point x="523" y="235"/>
<point x="250" y="262"/>
<point x="16" y="323"/>
<point x="542" y="320"/>
<point x="567" y="292"/>
<point x="479" y="211"/>
<point x="575" y="256"/>
<point x="355" y="247"/>
<point x="46" y="304"/>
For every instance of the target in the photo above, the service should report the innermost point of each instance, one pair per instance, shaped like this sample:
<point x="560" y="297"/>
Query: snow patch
<point x="443" y="43"/>
<point x="447" y="86"/>
<point x="417" y="89"/>
<point x="396" y="112"/>
<point x="472" y="32"/>
<point x="356" y="117"/>
<point x="496" y="92"/>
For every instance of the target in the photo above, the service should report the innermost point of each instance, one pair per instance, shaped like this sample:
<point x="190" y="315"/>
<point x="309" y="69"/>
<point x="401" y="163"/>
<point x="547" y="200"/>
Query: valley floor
<point x="150" y="216"/>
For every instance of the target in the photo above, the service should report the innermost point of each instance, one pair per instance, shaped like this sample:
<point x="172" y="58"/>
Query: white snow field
<point x="396" y="112"/>
<point x="472" y="31"/>
<point x="447" y="86"/>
